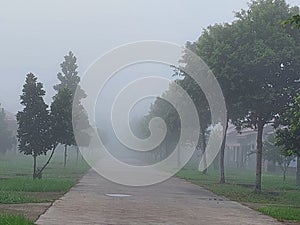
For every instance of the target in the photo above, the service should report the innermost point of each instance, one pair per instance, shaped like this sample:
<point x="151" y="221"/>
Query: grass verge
<point x="42" y="185"/>
<point x="281" y="213"/>
<point x="278" y="199"/>
<point x="7" y="197"/>
<point x="14" y="220"/>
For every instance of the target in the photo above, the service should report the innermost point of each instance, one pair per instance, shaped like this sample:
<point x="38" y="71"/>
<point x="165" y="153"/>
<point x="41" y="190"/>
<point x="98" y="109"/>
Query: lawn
<point x="14" y="220"/>
<point x="11" y="197"/>
<point x="27" y="184"/>
<point x="281" y="213"/>
<point x="16" y="181"/>
<point x="278" y="199"/>
<point x="18" y="187"/>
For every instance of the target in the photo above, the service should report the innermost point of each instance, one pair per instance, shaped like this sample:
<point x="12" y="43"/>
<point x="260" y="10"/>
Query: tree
<point x="6" y="137"/>
<point x="260" y="59"/>
<point x="269" y="61"/>
<point x="69" y="79"/>
<point x="61" y="119"/>
<point x="276" y="154"/>
<point x="34" y="131"/>
<point x="215" y="46"/>
<point x="201" y="103"/>
<point x="170" y="114"/>
<point x="283" y="138"/>
<point x="288" y="136"/>
<point x="294" y="21"/>
<point x="256" y="64"/>
<point x="163" y="109"/>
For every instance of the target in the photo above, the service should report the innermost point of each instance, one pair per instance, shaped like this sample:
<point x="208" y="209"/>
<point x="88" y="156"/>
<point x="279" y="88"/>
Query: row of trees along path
<point x="256" y="61"/>
<point x="41" y="129"/>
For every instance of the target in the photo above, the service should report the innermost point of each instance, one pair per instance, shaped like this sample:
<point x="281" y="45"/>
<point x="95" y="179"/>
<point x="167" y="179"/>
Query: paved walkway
<point x="172" y="202"/>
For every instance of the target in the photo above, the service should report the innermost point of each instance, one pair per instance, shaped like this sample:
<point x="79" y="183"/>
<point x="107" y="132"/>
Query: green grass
<point x="17" y="185"/>
<point x="16" y="177"/>
<point x="14" y="220"/>
<point x="276" y="198"/>
<point x="281" y="213"/>
<point x="42" y="185"/>
<point x="7" y="197"/>
<point x="21" y="166"/>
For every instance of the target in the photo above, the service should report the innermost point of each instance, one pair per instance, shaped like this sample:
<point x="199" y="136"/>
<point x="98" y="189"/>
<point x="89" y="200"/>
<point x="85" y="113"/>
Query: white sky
<point x="36" y="34"/>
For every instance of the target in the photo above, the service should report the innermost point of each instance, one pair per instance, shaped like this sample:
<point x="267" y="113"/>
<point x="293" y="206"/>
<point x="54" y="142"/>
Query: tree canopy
<point x="61" y="117"/>
<point x="294" y="21"/>
<point x="64" y="101"/>
<point x="34" y="131"/>
<point x="68" y="76"/>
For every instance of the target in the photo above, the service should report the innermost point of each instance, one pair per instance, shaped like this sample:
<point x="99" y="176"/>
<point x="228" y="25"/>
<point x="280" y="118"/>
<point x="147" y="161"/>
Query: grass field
<point x="18" y="187"/>
<point x="14" y="220"/>
<point x="278" y="199"/>
<point x="16" y="177"/>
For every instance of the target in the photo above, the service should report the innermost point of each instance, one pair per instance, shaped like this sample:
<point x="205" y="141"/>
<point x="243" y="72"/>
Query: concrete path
<point x="173" y="202"/>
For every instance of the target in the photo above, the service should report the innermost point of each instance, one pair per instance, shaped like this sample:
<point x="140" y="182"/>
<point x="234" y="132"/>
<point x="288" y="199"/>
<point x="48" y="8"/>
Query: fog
<point x="149" y="112"/>
<point x="35" y="35"/>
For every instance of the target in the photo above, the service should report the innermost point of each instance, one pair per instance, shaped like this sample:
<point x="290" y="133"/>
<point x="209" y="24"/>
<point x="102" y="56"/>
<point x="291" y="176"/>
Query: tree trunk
<point x="178" y="156"/>
<point x="34" y="166"/>
<point x="39" y="174"/>
<point x="284" y="175"/>
<point x="167" y="146"/>
<point x="65" y="156"/>
<point x="242" y="157"/>
<point x="238" y="155"/>
<point x="216" y="162"/>
<point x="222" y="157"/>
<point x="298" y="171"/>
<point x="260" y="128"/>
<point x="161" y="154"/>
<point x="203" y="150"/>
<point x="77" y="154"/>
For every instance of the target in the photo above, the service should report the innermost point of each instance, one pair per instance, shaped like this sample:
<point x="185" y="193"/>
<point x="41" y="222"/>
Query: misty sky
<point x="35" y="34"/>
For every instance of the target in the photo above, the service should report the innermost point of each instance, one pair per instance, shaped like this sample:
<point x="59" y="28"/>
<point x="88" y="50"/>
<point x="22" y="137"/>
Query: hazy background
<point x="35" y="34"/>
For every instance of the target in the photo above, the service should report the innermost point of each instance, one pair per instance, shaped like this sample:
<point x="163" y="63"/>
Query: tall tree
<point x="61" y="119"/>
<point x="214" y="47"/>
<point x="256" y="64"/>
<point x="269" y="61"/>
<point x="163" y="109"/>
<point x="6" y="137"/>
<point x="34" y="131"/>
<point x="201" y="103"/>
<point x="288" y="136"/>
<point x="169" y="114"/>
<point x="69" y="79"/>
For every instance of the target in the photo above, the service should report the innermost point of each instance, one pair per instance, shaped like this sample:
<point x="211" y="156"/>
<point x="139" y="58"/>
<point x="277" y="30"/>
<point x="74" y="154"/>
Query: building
<point x="241" y="147"/>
